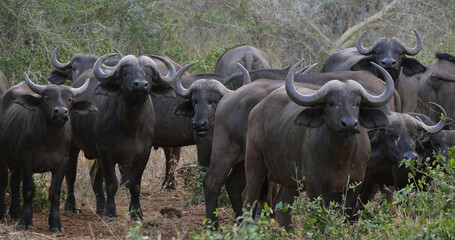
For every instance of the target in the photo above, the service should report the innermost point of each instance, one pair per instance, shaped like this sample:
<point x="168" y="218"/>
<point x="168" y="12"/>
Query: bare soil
<point x="167" y="214"/>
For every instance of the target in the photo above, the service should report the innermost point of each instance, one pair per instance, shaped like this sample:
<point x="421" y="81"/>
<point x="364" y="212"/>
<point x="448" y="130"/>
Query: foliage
<point x="422" y="211"/>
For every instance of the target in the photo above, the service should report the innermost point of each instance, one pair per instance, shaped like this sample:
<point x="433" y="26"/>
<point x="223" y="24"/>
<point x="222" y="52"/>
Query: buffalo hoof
<point x="56" y="229"/>
<point x="109" y="219"/>
<point x="137" y="216"/>
<point x="24" y="227"/>
<point x="74" y="210"/>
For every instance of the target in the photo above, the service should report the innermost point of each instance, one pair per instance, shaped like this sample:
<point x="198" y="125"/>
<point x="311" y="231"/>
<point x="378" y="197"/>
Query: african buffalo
<point x="123" y="130"/>
<point x="390" y="53"/>
<point x="250" y="57"/>
<point x="437" y="85"/>
<point x="400" y="140"/>
<point x="315" y="137"/>
<point x="36" y="137"/>
<point x="81" y="63"/>
<point x="227" y="166"/>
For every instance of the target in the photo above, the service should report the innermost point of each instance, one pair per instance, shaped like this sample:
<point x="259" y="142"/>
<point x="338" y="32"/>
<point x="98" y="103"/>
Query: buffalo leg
<point x="110" y="181"/>
<point x="15" y="184"/>
<point x="3" y="186"/>
<point x="96" y="176"/>
<point x="235" y="184"/>
<point x="70" y="203"/>
<point x="255" y="171"/>
<point x="172" y="160"/>
<point x="28" y="191"/>
<point x="135" y="186"/>
<point x="55" y="223"/>
<point x="224" y="158"/>
<point x="367" y="191"/>
<point x="285" y="195"/>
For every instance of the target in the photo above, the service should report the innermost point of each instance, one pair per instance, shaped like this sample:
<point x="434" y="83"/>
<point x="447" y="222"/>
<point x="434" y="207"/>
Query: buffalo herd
<point x="266" y="134"/>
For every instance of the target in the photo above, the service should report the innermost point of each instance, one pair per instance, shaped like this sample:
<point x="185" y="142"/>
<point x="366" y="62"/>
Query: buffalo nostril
<point x="349" y="123"/>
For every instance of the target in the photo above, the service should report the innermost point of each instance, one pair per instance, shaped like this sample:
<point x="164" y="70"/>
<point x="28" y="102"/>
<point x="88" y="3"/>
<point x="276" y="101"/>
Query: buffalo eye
<point x="45" y="98"/>
<point x="70" y="100"/>
<point x="331" y="104"/>
<point x="126" y="75"/>
<point x="357" y="105"/>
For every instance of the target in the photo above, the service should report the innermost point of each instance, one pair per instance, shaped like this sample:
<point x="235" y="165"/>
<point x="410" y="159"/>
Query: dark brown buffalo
<point x="231" y="127"/>
<point x="317" y="138"/>
<point x="123" y="130"/>
<point x="36" y="137"/>
<point x="401" y="139"/>
<point x="389" y="53"/>
<point x="81" y="63"/>
<point x="250" y="57"/>
<point x="437" y="85"/>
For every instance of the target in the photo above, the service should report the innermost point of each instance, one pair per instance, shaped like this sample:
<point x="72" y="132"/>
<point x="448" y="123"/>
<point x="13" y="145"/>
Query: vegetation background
<point x="200" y="31"/>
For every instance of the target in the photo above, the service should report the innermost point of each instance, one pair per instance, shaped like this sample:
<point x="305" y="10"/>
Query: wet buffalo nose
<point x="141" y="84"/>
<point x="388" y="62"/>
<point x="410" y="155"/>
<point x="349" y="123"/>
<point x="61" y="111"/>
<point x="199" y="124"/>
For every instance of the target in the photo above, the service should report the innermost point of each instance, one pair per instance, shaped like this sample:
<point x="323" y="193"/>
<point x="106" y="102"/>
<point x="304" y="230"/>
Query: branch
<point x="348" y="34"/>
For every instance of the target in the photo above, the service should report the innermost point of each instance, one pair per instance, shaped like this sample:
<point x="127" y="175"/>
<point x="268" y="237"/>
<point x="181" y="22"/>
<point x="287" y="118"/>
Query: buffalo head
<point x="390" y="53"/>
<point x="400" y="139"/>
<point x="341" y="104"/>
<point x="204" y="96"/>
<point x="56" y="101"/>
<point x="132" y="77"/>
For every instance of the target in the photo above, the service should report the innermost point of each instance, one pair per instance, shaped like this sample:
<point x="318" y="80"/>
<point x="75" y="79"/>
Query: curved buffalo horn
<point x="304" y="100"/>
<point x="246" y="74"/>
<point x="120" y="55"/>
<point x="417" y="48"/>
<point x="360" y="48"/>
<point x="34" y="87"/>
<point x="56" y="63"/>
<point x="99" y="67"/>
<point x="171" y="69"/>
<point x="178" y="87"/>
<point x="444" y="76"/>
<point x="377" y="101"/>
<point x="77" y="91"/>
<point x="439" y="126"/>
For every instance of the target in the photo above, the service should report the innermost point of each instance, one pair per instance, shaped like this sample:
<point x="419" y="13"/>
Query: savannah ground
<point x="167" y="214"/>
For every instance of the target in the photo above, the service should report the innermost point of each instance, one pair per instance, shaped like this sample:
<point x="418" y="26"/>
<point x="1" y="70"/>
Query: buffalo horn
<point x="377" y="101"/>
<point x="246" y="74"/>
<point x="34" y="87"/>
<point x="438" y="127"/>
<point x="179" y="89"/>
<point x="305" y="100"/>
<point x="171" y="69"/>
<point x="77" y="91"/>
<point x="444" y="76"/>
<point x="56" y="63"/>
<point x="99" y="68"/>
<point x="417" y="48"/>
<point x="360" y="48"/>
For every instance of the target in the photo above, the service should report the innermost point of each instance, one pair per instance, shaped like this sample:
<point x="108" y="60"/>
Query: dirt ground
<point x="168" y="214"/>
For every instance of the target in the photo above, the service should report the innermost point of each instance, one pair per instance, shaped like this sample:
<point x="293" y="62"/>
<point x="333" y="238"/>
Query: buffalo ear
<point x="162" y="90"/>
<point x="411" y="66"/>
<point x="59" y="77"/>
<point x="29" y="102"/>
<point x="185" y="109"/>
<point x="310" y="117"/>
<point x="107" y="88"/>
<point x="363" y="64"/>
<point x="84" y="107"/>
<point x="373" y="118"/>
